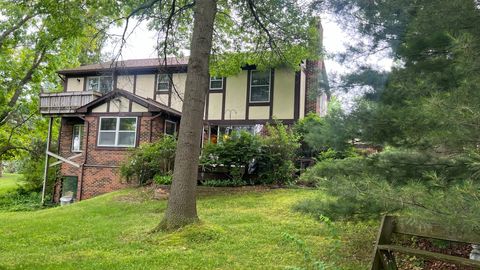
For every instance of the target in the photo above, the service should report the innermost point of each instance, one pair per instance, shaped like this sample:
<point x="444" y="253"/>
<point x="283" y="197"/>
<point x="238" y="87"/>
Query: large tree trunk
<point x="182" y="208"/>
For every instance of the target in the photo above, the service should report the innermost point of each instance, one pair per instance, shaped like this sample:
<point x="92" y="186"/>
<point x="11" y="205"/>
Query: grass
<point x="9" y="182"/>
<point x="251" y="230"/>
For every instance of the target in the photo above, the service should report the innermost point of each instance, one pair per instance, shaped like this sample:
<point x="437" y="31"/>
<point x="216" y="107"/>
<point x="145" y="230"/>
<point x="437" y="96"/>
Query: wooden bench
<point x="383" y="257"/>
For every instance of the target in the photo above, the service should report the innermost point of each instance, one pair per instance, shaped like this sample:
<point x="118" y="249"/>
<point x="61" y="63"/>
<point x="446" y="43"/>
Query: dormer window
<point x="216" y="83"/>
<point x="102" y="84"/>
<point x="163" y="83"/>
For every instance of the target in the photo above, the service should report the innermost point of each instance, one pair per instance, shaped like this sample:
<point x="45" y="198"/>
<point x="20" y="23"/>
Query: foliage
<point x="396" y="182"/>
<point x="37" y="38"/>
<point x="430" y="98"/>
<point x="21" y="200"/>
<point x="278" y="153"/>
<point x="303" y="127"/>
<point x="274" y="152"/>
<point x="9" y="182"/>
<point x="309" y="261"/>
<point x="246" y="225"/>
<point x="336" y="131"/>
<point x="150" y="160"/>
<point x="162" y="179"/>
<point x="234" y="152"/>
<point x="32" y="168"/>
<point x="235" y="182"/>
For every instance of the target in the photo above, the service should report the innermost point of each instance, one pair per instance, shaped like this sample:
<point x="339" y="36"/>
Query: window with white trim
<point x="117" y="131"/>
<point x="170" y="127"/>
<point x="102" y="84"/>
<point x="260" y="86"/>
<point x="216" y="83"/>
<point x="77" y="138"/>
<point x="163" y="83"/>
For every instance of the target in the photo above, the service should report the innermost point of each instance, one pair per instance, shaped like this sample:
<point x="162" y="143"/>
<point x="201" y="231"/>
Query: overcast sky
<point x="141" y="44"/>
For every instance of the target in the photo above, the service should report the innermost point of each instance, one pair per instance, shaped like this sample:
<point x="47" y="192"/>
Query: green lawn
<point x="8" y="182"/>
<point x="238" y="231"/>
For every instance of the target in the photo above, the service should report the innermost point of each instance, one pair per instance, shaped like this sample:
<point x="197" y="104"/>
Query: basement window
<point x="117" y="131"/>
<point x="102" y="84"/>
<point x="259" y="86"/>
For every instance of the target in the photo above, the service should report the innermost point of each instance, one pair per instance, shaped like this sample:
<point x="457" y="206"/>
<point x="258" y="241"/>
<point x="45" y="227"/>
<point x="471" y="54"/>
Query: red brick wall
<point x="313" y="70"/>
<point x="100" y="172"/>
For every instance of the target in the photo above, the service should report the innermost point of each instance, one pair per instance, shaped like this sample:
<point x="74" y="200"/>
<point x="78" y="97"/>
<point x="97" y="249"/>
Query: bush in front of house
<point x="273" y="153"/>
<point x="224" y="182"/>
<point x="234" y="152"/>
<point x="150" y="160"/>
<point x="279" y="146"/>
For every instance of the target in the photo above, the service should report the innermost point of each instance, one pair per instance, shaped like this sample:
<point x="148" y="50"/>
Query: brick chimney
<point x="317" y="92"/>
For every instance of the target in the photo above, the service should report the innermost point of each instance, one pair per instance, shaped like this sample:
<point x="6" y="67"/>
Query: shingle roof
<point x="127" y="64"/>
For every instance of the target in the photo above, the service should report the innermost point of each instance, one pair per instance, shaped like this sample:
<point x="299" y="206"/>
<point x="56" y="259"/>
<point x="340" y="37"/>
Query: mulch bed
<point x="450" y="248"/>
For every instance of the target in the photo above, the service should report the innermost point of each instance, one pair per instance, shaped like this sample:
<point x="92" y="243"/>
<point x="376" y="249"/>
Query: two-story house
<point x="107" y="108"/>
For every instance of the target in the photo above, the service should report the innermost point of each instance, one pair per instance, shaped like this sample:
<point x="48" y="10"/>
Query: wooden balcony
<point x="65" y="102"/>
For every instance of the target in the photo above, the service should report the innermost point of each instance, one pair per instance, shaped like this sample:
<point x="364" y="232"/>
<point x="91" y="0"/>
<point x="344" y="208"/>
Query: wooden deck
<point x="65" y="102"/>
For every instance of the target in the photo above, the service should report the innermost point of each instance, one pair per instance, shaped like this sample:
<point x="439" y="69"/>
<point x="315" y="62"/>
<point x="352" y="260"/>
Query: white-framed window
<point x="170" y="127"/>
<point x="163" y="82"/>
<point x="102" y="84"/>
<point x="260" y="86"/>
<point x="77" y="138"/>
<point x="117" y="131"/>
<point x="216" y="83"/>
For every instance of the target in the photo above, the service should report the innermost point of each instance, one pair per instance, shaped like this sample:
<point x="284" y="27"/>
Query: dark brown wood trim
<point x="306" y="99"/>
<point x="135" y="84"/>
<point x="108" y="105"/>
<point x="130" y="103"/>
<point x="207" y="103"/>
<point x="261" y="104"/>
<point x="224" y="97"/>
<point x="296" y="101"/>
<point x="170" y="85"/>
<point x="115" y="79"/>
<point x="248" y="94"/>
<point x="65" y="84"/>
<point x="249" y="122"/>
<point x="272" y="80"/>
<point x="85" y="83"/>
<point x="122" y="114"/>
<point x="215" y="91"/>
<point x="139" y="124"/>
<point x="155" y="87"/>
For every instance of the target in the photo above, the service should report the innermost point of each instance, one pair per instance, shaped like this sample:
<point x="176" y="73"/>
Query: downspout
<point x="87" y="125"/>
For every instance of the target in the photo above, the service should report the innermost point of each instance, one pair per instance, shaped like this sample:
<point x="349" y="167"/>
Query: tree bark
<point x="182" y="208"/>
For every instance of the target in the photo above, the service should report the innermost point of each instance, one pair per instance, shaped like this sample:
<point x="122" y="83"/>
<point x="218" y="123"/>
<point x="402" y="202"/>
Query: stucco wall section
<point x="120" y="104"/>
<point x="145" y="85"/>
<point x="236" y="95"/>
<point x="125" y="82"/>
<point x="75" y="84"/>
<point x="138" y="108"/>
<point x="215" y="106"/>
<point x="258" y="112"/>
<point x="284" y="93"/>
<point x="163" y="98"/>
<point x="179" y="80"/>
<point x="100" y="109"/>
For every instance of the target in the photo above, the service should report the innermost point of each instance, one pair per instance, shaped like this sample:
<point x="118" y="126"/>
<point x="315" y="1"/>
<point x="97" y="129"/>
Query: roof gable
<point x="149" y="104"/>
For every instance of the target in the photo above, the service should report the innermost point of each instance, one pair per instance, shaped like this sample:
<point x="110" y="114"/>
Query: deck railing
<point x="65" y="102"/>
